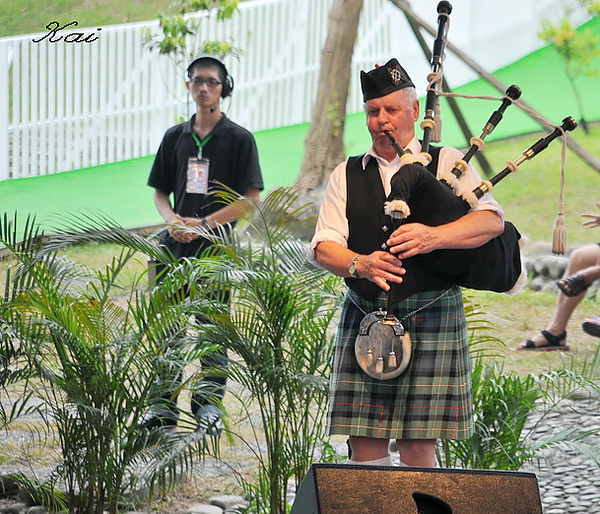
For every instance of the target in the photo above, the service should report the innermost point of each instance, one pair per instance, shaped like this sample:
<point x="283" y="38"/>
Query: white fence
<point x="72" y="102"/>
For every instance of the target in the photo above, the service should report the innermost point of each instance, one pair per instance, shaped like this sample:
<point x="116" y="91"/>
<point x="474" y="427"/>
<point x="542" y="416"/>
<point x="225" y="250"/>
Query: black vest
<point x="368" y="225"/>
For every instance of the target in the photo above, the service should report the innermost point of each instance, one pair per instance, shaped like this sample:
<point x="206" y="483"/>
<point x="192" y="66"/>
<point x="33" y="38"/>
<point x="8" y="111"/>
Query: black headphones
<point x="227" y="83"/>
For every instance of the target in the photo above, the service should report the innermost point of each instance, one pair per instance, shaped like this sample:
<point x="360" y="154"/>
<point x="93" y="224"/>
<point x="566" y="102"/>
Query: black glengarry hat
<point x="383" y="80"/>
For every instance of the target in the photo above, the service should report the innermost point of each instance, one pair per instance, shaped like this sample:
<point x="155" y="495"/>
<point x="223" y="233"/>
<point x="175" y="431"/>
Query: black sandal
<point x="591" y="326"/>
<point x="573" y="285"/>
<point x="553" y="342"/>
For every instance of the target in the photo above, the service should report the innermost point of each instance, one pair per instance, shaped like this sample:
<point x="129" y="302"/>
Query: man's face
<point x="395" y="113"/>
<point x="205" y="85"/>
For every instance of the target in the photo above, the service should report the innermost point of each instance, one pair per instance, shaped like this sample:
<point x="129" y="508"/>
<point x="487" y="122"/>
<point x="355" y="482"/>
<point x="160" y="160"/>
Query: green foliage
<point x="181" y="31"/>
<point x="98" y="360"/>
<point x="94" y="362"/>
<point x="576" y="48"/>
<point x="175" y="29"/>
<point x="278" y="327"/>
<point x="592" y="6"/>
<point x="15" y="365"/>
<point x="31" y="490"/>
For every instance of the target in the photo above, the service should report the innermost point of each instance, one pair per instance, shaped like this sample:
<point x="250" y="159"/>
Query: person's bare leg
<point x="585" y="259"/>
<point x="366" y="449"/>
<point x="417" y="452"/>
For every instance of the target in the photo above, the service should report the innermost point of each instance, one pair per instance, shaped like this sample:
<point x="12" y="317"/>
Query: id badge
<point x="197" y="176"/>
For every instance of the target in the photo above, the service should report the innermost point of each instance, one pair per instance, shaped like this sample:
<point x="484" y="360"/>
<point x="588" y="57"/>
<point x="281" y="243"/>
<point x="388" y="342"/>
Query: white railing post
<point x="5" y="88"/>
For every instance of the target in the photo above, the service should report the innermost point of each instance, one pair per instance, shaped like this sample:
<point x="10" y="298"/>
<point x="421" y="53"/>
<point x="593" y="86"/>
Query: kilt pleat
<point x="431" y="399"/>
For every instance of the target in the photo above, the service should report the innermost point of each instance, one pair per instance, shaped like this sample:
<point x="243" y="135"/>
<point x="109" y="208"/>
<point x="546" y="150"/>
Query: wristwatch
<point x="204" y="223"/>
<point x="352" y="267"/>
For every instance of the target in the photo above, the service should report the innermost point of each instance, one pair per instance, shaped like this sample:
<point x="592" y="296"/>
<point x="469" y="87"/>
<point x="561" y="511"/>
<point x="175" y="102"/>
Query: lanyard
<point x="201" y="143"/>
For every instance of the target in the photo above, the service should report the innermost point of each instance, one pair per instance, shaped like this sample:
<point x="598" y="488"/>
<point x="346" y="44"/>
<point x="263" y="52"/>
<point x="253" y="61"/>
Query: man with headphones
<point x="193" y="160"/>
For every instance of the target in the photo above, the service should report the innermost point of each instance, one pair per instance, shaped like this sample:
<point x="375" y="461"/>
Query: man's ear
<point x="416" y="110"/>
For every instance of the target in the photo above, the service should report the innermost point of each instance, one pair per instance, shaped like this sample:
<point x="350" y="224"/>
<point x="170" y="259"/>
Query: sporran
<point x="382" y="348"/>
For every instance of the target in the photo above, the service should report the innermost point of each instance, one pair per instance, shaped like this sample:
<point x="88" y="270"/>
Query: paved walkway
<point x="570" y="483"/>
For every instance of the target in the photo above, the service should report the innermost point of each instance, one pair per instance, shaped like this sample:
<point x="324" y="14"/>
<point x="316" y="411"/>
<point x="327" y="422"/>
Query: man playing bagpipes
<point x="355" y="239"/>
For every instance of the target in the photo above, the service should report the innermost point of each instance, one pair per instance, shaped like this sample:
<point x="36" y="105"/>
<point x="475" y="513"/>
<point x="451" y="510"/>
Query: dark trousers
<point x="210" y="389"/>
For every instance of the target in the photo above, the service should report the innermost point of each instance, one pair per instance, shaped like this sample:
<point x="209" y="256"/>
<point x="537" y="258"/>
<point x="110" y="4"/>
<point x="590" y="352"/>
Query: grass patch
<point x="517" y="318"/>
<point x="29" y="17"/>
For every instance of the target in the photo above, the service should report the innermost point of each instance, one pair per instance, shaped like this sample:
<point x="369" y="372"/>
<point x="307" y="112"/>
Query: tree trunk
<point x="324" y="145"/>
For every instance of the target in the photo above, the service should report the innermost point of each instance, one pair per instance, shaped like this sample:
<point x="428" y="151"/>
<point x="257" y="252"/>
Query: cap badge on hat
<point x="395" y="74"/>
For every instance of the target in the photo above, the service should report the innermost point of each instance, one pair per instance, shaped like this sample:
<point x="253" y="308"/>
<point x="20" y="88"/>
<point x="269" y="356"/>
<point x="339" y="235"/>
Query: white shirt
<point x="332" y="224"/>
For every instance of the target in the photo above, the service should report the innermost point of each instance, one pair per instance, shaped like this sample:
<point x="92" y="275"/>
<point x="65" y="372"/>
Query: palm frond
<point x="24" y="487"/>
<point x="77" y="229"/>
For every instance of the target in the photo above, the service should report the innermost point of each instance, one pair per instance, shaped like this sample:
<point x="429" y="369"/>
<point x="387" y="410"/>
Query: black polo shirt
<point x="233" y="158"/>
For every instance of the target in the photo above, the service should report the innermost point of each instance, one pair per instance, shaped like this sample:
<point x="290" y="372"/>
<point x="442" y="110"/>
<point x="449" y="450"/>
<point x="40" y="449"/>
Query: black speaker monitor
<point x="353" y="489"/>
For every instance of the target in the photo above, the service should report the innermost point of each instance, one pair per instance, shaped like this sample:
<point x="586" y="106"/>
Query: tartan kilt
<point x="431" y="399"/>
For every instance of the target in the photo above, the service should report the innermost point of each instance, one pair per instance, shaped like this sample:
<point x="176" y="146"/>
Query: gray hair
<point x="410" y="96"/>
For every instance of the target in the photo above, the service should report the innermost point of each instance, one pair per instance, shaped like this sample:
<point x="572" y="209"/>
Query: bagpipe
<point x="417" y="196"/>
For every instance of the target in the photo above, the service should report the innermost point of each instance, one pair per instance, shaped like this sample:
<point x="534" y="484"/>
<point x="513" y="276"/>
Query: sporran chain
<point x="431" y="302"/>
